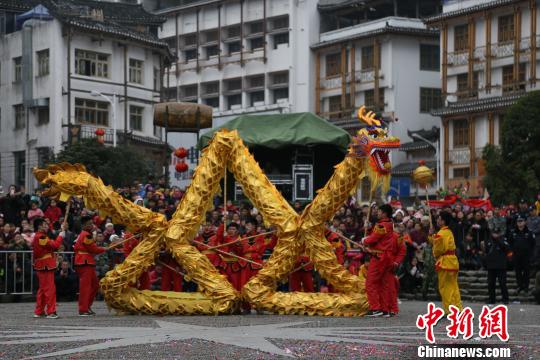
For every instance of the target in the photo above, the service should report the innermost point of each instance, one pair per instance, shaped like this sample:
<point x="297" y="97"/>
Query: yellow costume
<point x="447" y="267"/>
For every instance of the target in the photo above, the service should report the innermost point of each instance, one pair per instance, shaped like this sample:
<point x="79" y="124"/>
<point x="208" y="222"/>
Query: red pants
<point x="168" y="276"/>
<point x="390" y="298"/>
<point x="233" y="276"/>
<point x="246" y="274"/>
<point x="301" y="281"/>
<point x="376" y="286"/>
<point x="88" y="286"/>
<point x="46" y="295"/>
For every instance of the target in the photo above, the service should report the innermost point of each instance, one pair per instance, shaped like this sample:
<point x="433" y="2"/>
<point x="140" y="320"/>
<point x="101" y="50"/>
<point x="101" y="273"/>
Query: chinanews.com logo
<point x="491" y="322"/>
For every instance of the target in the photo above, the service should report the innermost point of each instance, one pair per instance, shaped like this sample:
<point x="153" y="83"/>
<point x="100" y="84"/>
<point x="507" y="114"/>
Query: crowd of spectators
<point x="475" y="231"/>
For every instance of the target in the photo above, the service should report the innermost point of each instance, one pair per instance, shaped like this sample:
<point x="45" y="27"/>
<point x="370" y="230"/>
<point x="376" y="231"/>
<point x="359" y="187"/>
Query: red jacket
<point x="339" y="249"/>
<point x="381" y="236"/>
<point x="85" y="248"/>
<point x="252" y="249"/>
<point x="396" y="250"/>
<point x="211" y="241"/>
<point x="43" y="249"/>
<point x="227" y="260"/>
<point x="53" y="213"/>
<point x="303" y="260"/>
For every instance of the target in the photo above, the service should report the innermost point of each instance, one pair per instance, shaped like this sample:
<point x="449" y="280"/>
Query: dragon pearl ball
<point x="423" y="175"/>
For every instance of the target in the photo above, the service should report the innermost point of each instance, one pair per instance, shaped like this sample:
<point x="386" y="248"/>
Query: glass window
<point x="136" y="117"/>
<point x="256" y="43"/>
<point x="281" y="39"/>
<point x="212" y="51"/>
<point x="213" y="102"/>
<point x="189" y="91"/>
<point x="461" y="35"/>
<point x="91" y="112"/>
<point x="429" y="57"/>
<point x="281" y="23"/>
<point x="430" y="98"/>
<point x="280" y="78"/>
<point x="333" y="64"/>
<point x="461" y="133"/>
<point x="17" y="64"/>
<point x="234" y="100"/>
<point x="281" y="94"/>
<point x="136" y="71"/>
<point x="461" y="173"/>
<point x="20" y="121"/>
<point x="89" y="63"/>
<point x="233" y="47"/>
<point x="43" y="62"/>
<point x="256" y="97"/>
<point x="506" y="28"/>
<point x="190" y="54"/>
<point x="157" y="79"/>
<point x="43" y="115"/>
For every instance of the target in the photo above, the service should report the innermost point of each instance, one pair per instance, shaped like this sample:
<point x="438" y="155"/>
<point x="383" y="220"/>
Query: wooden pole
<point x="429" y="209"/>
<point x="170" y="267"/>
<point x="68" y="208"/>
<point x="239" y="239"/>
<point x="225" y="196"/>
<point x="369" y="211"/>
<point x="112" y="246"/>
<point x="229" y="254"/>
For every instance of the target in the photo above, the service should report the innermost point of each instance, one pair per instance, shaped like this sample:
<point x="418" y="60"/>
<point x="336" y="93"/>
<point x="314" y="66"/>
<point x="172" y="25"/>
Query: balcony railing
<point x="459" y="156"/>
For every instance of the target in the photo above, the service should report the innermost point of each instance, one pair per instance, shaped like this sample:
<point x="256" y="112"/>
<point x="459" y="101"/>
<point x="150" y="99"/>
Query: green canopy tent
<point x="279" y="141"/>
<point x="280" y="130"/>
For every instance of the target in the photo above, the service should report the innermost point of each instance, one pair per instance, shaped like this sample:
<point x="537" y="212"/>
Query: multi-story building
<point x="489" y="60"/>
<point x="378" y="54"/>
<point x="240" y="57"/>
<point x="70" y="67"/>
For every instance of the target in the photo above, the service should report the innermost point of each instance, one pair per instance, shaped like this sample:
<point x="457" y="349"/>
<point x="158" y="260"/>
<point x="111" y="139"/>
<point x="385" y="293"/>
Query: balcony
<point x="459" y="156"/>
<point x="457" y="58"/>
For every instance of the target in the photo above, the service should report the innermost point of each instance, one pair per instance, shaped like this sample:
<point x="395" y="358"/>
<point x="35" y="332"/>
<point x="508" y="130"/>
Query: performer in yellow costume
<point x="446" y="263"/>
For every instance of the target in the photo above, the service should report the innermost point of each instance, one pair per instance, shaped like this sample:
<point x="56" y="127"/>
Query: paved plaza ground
<point x="109" y="336"/>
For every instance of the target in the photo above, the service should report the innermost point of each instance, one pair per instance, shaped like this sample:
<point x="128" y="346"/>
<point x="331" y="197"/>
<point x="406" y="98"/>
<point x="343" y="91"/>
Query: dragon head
<point x="63" y="179"/>
<point x="374" y="143"/>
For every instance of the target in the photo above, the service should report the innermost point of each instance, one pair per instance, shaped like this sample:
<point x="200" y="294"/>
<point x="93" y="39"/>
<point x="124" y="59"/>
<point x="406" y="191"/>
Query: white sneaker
<point x="52" y="316"/>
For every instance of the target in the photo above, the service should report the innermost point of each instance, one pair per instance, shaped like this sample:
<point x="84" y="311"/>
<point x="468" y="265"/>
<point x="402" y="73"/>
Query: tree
<point x="119" y="166"/>
<point x="513" y="169"/>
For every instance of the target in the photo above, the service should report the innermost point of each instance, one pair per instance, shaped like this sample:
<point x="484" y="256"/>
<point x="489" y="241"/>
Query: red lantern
<point x="181" y="167"/>
<point x="100" y="132"/>
<point x="181" y="153"/>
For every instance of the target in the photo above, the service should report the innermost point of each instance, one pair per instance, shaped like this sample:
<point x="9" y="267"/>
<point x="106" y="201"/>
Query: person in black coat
<point x="522" y="241"/>
<point x="496" y="250"/>
<point x="459" y="228"/>
<point x="479" y="228"/>
<point x="66" y="282"/>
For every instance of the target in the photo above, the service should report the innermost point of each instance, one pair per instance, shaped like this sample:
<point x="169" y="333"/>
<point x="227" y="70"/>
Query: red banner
<point x="452" y="199"/>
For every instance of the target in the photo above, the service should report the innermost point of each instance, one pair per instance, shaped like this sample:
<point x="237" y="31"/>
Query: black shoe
<point x="374" y="313"/>
<point x="392" y="314"/>
<point x="91" y="312"/>
<point x="86" y="314"/>
<point x="52" y="316"/>
<point x="386" y="314"/>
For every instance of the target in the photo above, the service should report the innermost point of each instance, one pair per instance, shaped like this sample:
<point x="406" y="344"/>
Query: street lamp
<point x="112" y="101"/>
<point x="436" y="147"/>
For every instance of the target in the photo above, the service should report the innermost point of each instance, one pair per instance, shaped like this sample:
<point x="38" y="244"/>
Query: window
<point x="233" y="84"/>
<point x="17" y="65"/>
<point x="506" y="28"/>
<point x="281" y="39"/>
<point x="333" y="64"/>
<point x="368" y="58"/>
<point x="212" y="51"/>
<point x="256" y="43"/>
<point x="280" y="23"/>
<point x="43" y="115"/>
<point x="233" y="31"/>
<point x="213" y="102"/>
<point x="369" y="98"/>
<point x="461" y="133"/>
<point x="256" y="27"/>
<point x="280" y="78"/>
<point x="234" y="101"/>
<point x="189" y="91"/>
<point x="190" y="39"/>
<point x="136" y="71"/>
<point x="430" y="98"/>
<point x="256" y="81"/>
<point x="508" y="78"/>
<point x="463" y="86"/>
<point x="256" y="97"/>
<point x="136" y="117"/>
<point x="211" y="36"/>
<point x="91" y="112"/>
<point x="157" y="79"/>
<point x="43" y="62"/>
<point x="462" y="172"/>
<point x="281" y="94"/>
<point x="429" y="57"/>
<point x="89" y="63"/>
<point x="18" y="111"/>
<point x="171" y="41"/>
<point x="461" y="35"/>
<point x="190" y="55"/>
<point x="211" y="88"/>
<point x="170" y="93"/>
<point x="234" y="47"/>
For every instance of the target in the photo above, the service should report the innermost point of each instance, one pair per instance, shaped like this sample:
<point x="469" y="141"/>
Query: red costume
<point x="339" y="250"/>
<point x="85" y="248"/>
<point x="302" y="279"/>
<point x="228" y="263"/>
<point x="396" y="253"/>
<point x="45" y="266"/>
<point x="378" y="242"/>
<point x="169" y="276"/>
<point x="144" y="282"/>
<point x="252" y="249"/>
<point x="212" y="255"/>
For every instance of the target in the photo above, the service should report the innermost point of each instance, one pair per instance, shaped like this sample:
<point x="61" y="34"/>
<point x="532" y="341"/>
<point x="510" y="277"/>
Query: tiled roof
<point x="480" y="105"/>
<point x="414" y="145"/>
<point x="15" y="5"/>
<point x="329" y="5"/>
<point x="469" y="10"/>
<point x="408" y="168"/>
<point x="386" y="30"/>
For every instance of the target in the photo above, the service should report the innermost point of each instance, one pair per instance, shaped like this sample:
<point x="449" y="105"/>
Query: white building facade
<point x="489" y="58"/>
<point x="60" y="82"/>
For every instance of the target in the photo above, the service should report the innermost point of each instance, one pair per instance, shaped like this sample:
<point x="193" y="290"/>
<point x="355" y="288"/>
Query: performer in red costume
<point x="230" y="264"/>
<point x="396" y="253"/>
<point x="378" y="242"/>
<point x="339" y="249"/>
<point x="251" y="249"/>
<point x="45" y="266"/>
<point x="168" y="275"/>
<point x="144" y="282"/>
<point x="207" y="236"/>
<point x="302" y="279"/>
<point x="85" y="248"/>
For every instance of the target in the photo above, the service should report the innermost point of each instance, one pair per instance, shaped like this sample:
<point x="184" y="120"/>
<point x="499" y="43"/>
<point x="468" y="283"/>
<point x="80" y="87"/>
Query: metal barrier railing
<point x="17" y="275"/>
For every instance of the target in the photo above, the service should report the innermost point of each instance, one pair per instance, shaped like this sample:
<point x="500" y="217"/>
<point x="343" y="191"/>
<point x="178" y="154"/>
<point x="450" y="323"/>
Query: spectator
<point x="53" y="212"/>
<point x="35" y="212"/>
<point x="471" y="257"/>
<point x="496" y="250"/>
<point x="411" y="276"/>
<point x="28" y="235"/>
<point x="479" y="228"/>
<point x="533" y="224"/>
<point x="522" y="242"/>
<point x="18" y="243"/>
<point x="66" y="282"/>
<point x="8" y="233"/>
<point x="459" y="229"/>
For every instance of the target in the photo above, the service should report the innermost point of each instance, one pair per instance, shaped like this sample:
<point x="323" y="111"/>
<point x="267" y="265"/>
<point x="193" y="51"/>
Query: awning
<point x="39" y="12"/>
<point x="280" y="130"/>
